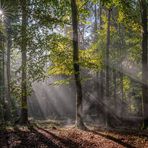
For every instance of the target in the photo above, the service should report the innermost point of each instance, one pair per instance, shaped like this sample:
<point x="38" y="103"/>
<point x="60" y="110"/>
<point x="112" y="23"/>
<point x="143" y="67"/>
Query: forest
<point x="74" y="73"/>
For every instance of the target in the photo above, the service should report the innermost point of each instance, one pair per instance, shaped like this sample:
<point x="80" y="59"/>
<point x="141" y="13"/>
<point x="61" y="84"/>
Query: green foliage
<point x="61" y="57"/>
<point x="126" y="84"/>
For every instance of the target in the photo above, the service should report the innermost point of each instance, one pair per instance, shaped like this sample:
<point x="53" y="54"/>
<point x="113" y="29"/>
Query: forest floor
<point x="69" y="137"/>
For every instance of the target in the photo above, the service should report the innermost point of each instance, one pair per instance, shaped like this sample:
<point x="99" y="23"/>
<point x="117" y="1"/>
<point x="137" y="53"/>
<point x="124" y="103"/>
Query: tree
<point x="9" y="35"/>
<point x="24" y="108"/>
<point x="107" y="53"/>
<point x="79" y="119"/>
<point x="8" y="70"/>
<point x="144" y="61"/>
<point x="108" y="62"/>
<point x="2" y="83"/>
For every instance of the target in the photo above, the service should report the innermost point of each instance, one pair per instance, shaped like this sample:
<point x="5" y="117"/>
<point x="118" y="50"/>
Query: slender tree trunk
<point x="79" y="120"/>
<point x="95" y="39"/>
<point x="122" y="93"/>
<point x="8" y="96"/>
<point x="107" y="53"/>
<point x="102" y="70"/>
<point x="122" y="43"/>
<point x="144" y="62"/>
<point x="24" y="106"/>
<point x="107" y="63"/>
<point x="2" y="89"/>
<point x="115" y="88"/>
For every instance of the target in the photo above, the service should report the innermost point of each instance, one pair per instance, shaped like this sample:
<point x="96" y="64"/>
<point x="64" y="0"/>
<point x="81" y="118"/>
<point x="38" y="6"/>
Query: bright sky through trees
<point x="1" y="12"/>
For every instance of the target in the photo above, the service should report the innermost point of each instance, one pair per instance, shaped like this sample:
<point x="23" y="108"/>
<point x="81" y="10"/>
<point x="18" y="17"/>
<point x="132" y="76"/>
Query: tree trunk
<point x="115" y="89"/>
<point x="8" y="96"/>
<point x="101" y="92"/>
<point x="95" y="39"/>
<point x="107" y="64"/>
<point x="79" y="120"/>
<point x="24" y="107"/>
<point x="107" y="53"/>
<point x="121" y="31"/>
<point x="122" y="94"/>
<point x="2" y="89"/>
<point x="144" y="62"/>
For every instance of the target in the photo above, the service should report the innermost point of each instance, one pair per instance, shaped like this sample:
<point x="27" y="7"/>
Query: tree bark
<point x="107" y="53"/>
<point x="2" y="88"/>
<point x="102" y="70"/>
<point x="8" y="77"/>
<point x="24" y="106"/>
<point x="122" y="93"/>
<point x="144" y="62"/>
<point x="108" y="122"/>
<point x="115" y="88"/>
<point x="79" y="119"/>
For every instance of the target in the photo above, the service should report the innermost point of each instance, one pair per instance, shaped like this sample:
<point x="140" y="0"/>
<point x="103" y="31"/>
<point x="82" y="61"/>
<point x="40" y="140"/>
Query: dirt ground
<point x="70" y="138"/>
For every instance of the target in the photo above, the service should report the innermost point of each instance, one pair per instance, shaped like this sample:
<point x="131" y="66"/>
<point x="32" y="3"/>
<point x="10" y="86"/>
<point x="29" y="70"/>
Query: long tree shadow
<point x="130" y="132"/>
<point x="114" y="139"/>
<point x="65" y="142"/>
<point x="25" y="142"/>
